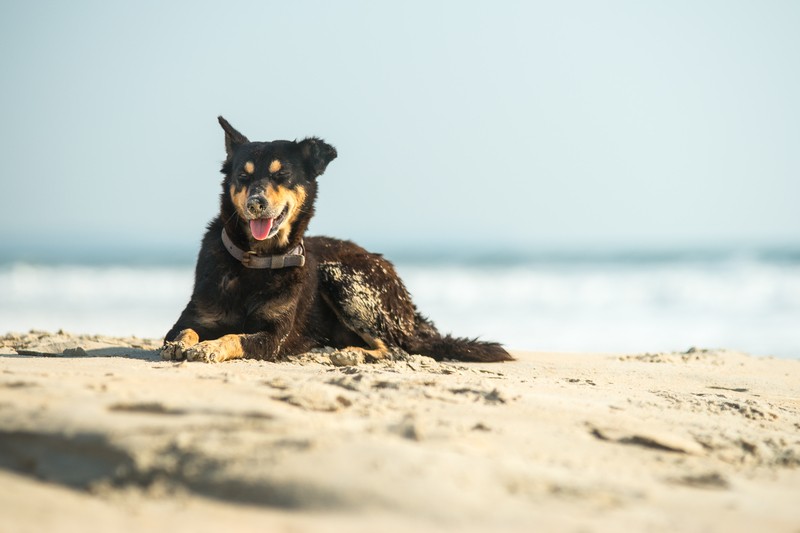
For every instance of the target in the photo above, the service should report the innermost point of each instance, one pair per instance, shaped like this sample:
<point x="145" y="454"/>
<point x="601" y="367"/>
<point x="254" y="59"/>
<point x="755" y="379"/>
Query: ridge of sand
<point x="99" y="430"/>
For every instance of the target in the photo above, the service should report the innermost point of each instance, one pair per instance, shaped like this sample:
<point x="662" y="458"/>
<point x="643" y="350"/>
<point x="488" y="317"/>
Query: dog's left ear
<point x="316" y="154"/>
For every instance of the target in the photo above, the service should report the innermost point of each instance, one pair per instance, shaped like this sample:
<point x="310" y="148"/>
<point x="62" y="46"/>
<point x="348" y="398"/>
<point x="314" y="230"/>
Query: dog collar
<point x="294" y="257"/>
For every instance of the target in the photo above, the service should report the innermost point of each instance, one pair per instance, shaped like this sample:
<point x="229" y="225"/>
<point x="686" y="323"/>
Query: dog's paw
<point x="349" y="357"/>
<point x="205" y="352"/>
<point x="173" y="351"/>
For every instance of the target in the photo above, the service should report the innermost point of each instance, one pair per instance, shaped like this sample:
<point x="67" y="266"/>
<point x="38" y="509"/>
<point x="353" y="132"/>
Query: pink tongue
<point x="260" y="228"/>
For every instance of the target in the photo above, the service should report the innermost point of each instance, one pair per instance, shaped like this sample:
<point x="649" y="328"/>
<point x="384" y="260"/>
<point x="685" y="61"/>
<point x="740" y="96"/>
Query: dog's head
<point x="272" y="185"/>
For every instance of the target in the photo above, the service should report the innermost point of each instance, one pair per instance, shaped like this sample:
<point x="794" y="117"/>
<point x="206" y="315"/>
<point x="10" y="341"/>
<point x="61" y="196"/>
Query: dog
<point x="263" y="290"/>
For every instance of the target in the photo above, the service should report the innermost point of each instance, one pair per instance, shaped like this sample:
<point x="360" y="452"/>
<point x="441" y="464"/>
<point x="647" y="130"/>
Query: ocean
<point x="629" y="303"/>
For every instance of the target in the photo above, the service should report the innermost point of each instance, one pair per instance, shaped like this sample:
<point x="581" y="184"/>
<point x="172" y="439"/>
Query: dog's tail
<point x="428" y="341"/>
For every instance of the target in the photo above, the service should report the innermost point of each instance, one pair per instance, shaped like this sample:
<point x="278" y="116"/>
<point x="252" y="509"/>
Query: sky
<point x="473" y="125"/>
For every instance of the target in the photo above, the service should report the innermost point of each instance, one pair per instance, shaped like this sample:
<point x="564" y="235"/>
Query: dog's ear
<point x="233" y="139"/>
<point x="316" y="154"/>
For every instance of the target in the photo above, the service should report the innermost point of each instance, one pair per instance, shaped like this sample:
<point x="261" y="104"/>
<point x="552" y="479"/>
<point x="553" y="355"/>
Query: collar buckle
<point x="247" y="258"/>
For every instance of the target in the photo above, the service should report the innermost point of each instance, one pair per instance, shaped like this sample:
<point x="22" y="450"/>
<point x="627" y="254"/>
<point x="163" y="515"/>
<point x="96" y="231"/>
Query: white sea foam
<point x="747" y="305"/>
<point x="115" y="300"/>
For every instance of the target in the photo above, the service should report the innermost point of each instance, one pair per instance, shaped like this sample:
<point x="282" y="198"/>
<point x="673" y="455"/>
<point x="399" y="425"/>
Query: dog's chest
<point x="261" y="296"/>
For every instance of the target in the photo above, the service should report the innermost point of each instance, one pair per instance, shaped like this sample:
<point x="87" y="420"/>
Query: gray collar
<point x="294" y="257"/>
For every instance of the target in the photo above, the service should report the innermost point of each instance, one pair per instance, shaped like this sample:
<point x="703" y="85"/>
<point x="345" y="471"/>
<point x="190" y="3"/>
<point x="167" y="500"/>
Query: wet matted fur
<point x="340" y="296"/>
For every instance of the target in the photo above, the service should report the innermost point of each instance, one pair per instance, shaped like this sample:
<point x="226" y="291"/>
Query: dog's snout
<point x="256" y="205"/>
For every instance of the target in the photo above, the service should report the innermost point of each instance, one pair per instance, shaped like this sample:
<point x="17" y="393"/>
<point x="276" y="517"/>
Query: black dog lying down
<point x="262" y="290"/>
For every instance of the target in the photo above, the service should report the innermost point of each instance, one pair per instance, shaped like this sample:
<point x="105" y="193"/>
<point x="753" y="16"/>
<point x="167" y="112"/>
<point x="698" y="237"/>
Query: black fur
<point x="342" y="297"/>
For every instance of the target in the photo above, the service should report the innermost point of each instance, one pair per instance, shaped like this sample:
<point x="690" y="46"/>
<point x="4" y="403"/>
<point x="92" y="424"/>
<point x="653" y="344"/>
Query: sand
<point x="99" y="434"/>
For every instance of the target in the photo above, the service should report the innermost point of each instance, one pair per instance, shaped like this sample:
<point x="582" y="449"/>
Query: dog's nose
<point x="256" y="205"/>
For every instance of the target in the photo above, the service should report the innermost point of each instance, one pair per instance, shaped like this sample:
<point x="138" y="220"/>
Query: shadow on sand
<point x="80" y="353"/>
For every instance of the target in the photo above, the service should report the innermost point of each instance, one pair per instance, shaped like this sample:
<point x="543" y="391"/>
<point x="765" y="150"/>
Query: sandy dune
<point x="99" y="434"/>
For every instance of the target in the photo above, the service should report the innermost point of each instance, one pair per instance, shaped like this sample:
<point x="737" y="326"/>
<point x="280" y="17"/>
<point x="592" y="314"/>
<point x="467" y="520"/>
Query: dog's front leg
<point x="263" y="345"/>
<point x="217" y="350"/>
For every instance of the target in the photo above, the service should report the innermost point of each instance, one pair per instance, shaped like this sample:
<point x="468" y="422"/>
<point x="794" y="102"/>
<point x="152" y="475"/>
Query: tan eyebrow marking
<point x="249" y="167"/>
<point x="274" y="166"/>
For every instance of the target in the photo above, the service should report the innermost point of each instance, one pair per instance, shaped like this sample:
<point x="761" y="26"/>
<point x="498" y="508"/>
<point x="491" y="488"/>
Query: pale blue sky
<point x="473" y="124"/>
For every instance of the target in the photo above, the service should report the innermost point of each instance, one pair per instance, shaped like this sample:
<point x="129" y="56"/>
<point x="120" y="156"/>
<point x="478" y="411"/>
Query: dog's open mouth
<point x="264" y="228"/>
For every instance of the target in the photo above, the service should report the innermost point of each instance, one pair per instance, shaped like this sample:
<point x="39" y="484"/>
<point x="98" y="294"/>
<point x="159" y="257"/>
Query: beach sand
<point x="99" y="434"/>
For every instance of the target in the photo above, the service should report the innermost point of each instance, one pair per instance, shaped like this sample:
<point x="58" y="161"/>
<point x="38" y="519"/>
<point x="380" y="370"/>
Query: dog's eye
<point x="244" y="176"/>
